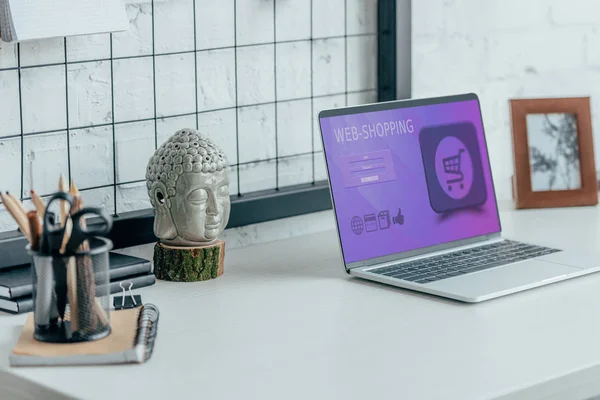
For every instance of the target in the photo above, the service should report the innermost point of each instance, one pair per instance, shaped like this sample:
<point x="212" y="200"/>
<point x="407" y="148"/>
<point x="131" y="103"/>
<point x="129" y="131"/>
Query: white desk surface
<point x="286" y="322"/>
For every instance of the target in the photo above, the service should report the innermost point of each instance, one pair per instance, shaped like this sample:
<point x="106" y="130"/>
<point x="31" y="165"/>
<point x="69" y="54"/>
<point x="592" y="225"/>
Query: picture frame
<point x="553" y="150"/>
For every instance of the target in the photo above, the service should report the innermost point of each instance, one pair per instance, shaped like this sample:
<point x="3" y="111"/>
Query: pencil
<point x="39" y="204"/>
<point x="65" y="222"/>
<point x="17" y="213"/>
<point x="36" y="230"/>
<point x="66" y="236"/>
<point x="72" y="279"/>
<point x="22" y="212"/>
<point x="17" y="202"/>
<point x="72" y="293"/>
<point x="64" y="205"/>
<point x="78" y="205"/>
<point x="73" y="190"/>
<point x="87" y="305"/>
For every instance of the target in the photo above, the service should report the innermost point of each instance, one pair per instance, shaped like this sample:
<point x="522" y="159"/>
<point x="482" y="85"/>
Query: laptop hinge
<point x="426" y="251"/>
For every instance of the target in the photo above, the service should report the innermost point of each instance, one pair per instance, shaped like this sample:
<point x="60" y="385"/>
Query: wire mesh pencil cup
<point x="71" y="295"/>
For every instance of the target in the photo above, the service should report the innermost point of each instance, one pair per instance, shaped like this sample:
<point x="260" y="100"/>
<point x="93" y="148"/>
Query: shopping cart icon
<point x="452" y="167"/>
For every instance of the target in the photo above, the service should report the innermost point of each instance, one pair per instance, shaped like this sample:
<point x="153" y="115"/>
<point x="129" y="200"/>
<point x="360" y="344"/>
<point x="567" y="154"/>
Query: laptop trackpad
<point x="503" y="278"/>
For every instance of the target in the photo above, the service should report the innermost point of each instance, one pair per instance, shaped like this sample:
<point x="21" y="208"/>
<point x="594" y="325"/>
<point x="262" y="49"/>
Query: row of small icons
<point x="372" y="223"/>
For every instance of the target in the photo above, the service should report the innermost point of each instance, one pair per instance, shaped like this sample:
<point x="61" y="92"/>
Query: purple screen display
<point x="409" y="178"/>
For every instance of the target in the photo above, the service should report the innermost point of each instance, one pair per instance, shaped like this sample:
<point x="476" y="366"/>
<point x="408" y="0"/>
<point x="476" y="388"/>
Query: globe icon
<point x="357" y="225"/>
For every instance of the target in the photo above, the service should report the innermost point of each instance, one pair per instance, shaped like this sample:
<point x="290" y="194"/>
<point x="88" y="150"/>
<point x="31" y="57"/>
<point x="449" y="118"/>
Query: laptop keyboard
<point x="462" y="262"/>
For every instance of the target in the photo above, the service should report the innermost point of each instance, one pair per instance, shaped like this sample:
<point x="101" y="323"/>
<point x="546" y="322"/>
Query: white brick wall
<point x="266" y="72"/>
<point x="503" y="49"/>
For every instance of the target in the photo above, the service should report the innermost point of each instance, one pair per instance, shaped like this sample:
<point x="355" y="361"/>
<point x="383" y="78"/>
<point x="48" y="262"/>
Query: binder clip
<point x="124" y="301"/>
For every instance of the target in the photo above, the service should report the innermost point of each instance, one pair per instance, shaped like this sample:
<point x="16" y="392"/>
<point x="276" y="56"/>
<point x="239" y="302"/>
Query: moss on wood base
<point x="189" y="264"/>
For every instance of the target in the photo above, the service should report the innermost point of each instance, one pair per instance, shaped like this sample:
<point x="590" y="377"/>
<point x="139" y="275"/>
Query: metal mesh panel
<point x="84" y="280"/>
<point x="354" y="44"/>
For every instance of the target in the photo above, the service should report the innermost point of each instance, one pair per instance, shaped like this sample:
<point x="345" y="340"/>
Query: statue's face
<point x="199" y="210"/>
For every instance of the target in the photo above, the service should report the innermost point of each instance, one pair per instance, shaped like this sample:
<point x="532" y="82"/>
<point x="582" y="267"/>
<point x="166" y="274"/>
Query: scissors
<point x="53" y="236"/>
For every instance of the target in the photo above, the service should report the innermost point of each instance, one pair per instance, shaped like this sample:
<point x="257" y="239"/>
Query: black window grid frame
<point x="136" y="227"/>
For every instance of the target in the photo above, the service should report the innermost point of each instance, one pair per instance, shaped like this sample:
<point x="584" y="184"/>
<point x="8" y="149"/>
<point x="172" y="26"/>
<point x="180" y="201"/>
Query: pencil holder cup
<point x="71" y="295"/>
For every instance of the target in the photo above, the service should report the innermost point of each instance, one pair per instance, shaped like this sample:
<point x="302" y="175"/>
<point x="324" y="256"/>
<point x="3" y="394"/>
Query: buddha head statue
<point x="189" y="189"/>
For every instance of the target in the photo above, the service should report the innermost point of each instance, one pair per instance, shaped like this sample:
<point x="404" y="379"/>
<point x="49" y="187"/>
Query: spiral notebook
<point x="131" y="341"/>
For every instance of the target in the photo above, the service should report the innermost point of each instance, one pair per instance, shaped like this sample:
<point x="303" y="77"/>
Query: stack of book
<point x="16" y="284"/>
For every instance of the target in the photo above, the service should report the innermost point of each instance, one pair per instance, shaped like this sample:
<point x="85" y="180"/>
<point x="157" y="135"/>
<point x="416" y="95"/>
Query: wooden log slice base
<point x="189" y="264"/>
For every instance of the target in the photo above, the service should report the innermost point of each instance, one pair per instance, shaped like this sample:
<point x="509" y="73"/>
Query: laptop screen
<point x="408" y="177"/>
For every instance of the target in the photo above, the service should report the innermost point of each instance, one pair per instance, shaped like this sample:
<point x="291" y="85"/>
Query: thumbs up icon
<point x="398" y="219"/>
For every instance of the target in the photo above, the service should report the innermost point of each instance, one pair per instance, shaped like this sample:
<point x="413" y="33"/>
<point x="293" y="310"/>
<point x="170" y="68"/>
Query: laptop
<point x="415" y="207"/>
